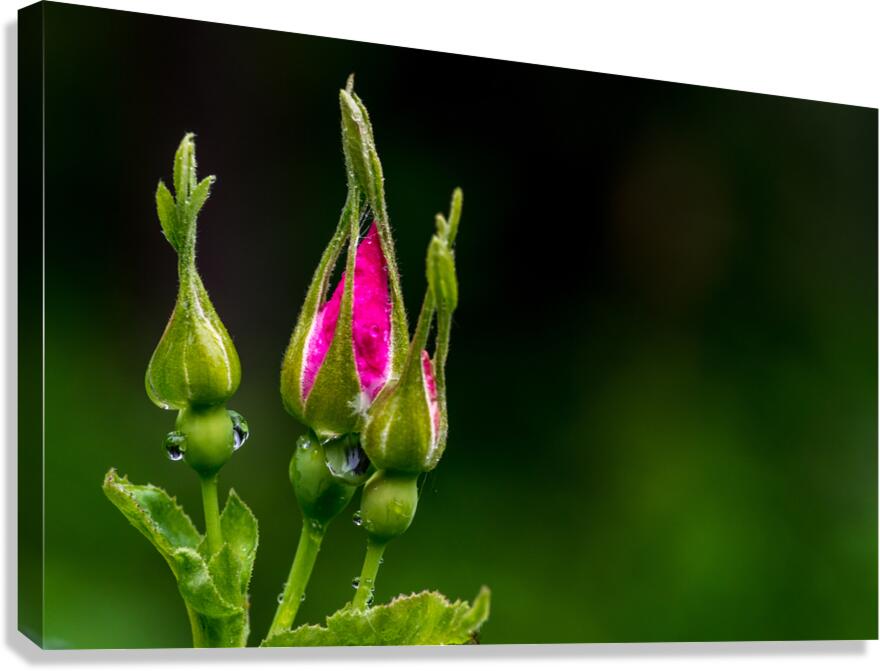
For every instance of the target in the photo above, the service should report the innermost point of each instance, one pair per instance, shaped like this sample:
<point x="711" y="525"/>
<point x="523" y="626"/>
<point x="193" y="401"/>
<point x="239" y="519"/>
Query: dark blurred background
<point x="663" y="368"/>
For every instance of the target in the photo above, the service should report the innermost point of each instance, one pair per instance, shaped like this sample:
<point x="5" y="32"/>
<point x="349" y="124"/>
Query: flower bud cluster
<point x="351" y="373"/>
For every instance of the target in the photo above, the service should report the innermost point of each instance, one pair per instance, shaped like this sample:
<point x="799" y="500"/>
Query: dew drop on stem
<point x="175" y="445"/>
<point x="240" y="432"/>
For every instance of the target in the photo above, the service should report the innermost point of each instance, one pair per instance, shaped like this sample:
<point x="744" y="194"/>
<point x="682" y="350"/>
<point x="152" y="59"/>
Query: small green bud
<point x="195" y="362"/>
<point x="401" y="431"/>
<point x="209" y="437"/>
<point x="441" y="274"/>
<point x="320" y="494"/>
<point x="388" y="504"/>
<point x="406" y="427"/>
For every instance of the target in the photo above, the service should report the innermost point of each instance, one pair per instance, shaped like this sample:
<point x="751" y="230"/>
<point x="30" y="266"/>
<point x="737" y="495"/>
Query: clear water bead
<point x="175" y="445"/>
<point x="240" y="432"/>
<point x="356" y="519"/>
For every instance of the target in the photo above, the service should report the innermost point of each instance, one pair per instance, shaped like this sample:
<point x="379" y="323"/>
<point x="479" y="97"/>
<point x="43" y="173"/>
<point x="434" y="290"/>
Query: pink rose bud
<point x="371" y="323"/>
<point x="345" y="348"/>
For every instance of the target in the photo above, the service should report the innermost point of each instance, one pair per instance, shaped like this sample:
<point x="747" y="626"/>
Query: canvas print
<point x="326" y="343"/>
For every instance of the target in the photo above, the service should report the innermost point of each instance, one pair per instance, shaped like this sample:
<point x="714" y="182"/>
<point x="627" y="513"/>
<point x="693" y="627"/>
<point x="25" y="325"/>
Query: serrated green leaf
<point x="167" y="211"/>
<point x="427" y="618"/>
<point x="215" y="592"/>
<point x="241" y="533"/>
<point x="225" y="570"/>
<point x="197" y="586"/>
<point x="200" y="195"/>
<point x="154" y="513"/>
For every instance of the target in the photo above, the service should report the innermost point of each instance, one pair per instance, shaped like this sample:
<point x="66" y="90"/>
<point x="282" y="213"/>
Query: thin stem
<point x="441" y="351"/>
<point x="197" y="633"/>
<point x="300" y="572"/>
<point x="367" y="581"/>
<point x="423" y="329"/>
<point x="212" y="513"/>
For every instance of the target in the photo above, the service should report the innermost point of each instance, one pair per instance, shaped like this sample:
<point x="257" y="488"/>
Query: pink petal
<point x="431" y="387"/>
<point x="372" y="314"/>
<point x="371" y="328"/>
<point x="321" y="337"/>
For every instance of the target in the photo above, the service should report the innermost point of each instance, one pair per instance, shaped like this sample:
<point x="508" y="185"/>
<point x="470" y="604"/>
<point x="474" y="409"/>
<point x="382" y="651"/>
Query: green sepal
<point x="398" y="434"/>
<point x="292" y="364"/>
<point x="331" y="406"/>
<point x="184" y="165"/>
<point x="441" y="274"/>
<point x="376" y="198"/>
<point x="195" y="362"/>
<point x="200" y="195"/>
<point x="167" y="211"/>
<point x="358" y="145"/>
<point x="426" y="618"/>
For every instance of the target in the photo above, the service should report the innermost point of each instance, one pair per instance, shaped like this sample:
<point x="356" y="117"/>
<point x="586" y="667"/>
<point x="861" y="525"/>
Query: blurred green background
<point x="663" y="368"/>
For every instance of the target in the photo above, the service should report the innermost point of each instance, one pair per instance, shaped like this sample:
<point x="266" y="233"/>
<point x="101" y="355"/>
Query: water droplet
<point x="303" y="597"/>
<point x="381" y="561"/>
<point x="370" y="600"/>
<point x="175" y="445"/>
<point x="375" y="331"/>
<point x="350" y="462"/>
<point x="356" y="519"/>
<point x="240" y="432"/>
<point x="356" y="583"/>
<point x="303" y="442"/>
<point x="280" y="597"/>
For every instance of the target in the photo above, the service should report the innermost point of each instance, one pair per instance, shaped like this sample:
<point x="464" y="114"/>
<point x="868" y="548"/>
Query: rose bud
<point x="195" y="368"/>
<point x="406" y="426"/>
<point x="346" y="347"/>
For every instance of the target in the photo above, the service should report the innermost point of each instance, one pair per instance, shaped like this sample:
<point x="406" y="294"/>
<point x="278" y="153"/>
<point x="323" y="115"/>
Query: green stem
<point x="300" y="572"/>
<point x="367" y="582"/>
<point x="197" y="633"/>
<point x="212" y="513"/>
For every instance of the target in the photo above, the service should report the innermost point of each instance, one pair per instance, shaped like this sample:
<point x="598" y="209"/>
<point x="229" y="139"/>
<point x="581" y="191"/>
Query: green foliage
<point x="426" y="618"/>
<point x="214" y="587"/>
